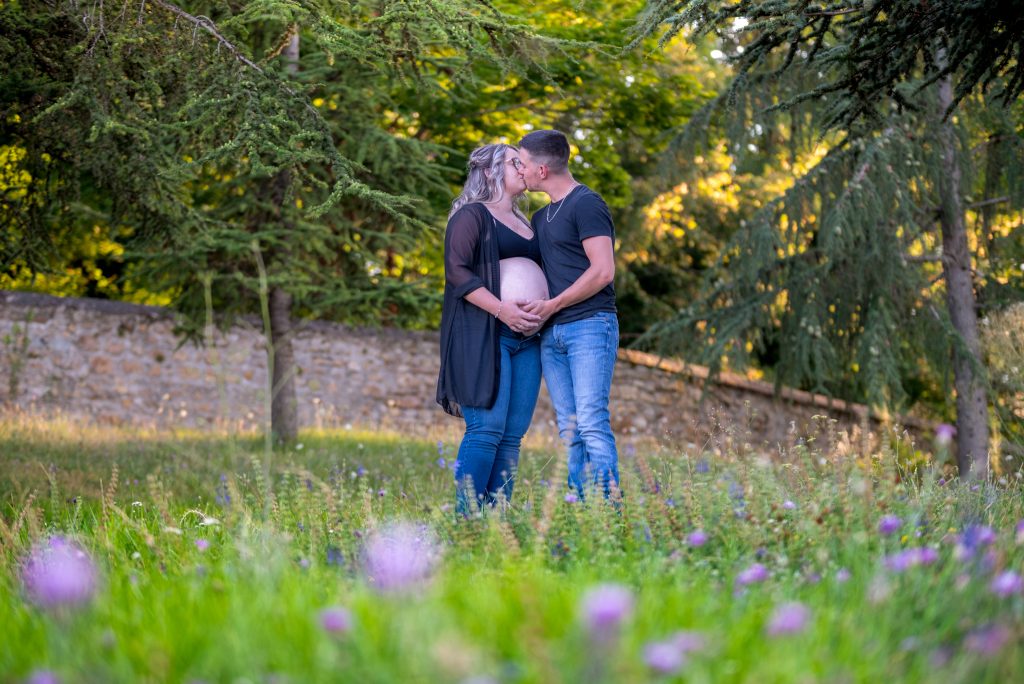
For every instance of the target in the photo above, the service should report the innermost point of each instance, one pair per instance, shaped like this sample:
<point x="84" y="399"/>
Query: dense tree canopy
<point x="864" y="274"/>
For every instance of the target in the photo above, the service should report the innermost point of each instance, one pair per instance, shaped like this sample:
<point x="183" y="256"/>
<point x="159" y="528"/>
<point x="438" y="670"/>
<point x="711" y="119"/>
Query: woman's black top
<point x="512" y="244"/>
<point x="469" y="335"/>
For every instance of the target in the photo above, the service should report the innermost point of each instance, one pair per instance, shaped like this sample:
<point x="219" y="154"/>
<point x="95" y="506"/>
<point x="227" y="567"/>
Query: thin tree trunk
<point x="971" y="395"/>
<point x="284" y="414"/>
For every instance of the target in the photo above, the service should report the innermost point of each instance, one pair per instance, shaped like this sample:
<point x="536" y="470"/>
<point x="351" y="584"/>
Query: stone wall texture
<point x="118" y="363"/>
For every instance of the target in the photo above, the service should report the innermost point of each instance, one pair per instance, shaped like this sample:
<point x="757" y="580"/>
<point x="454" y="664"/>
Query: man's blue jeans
<point x="578" y="359"/>
<point x="489" y="453"/>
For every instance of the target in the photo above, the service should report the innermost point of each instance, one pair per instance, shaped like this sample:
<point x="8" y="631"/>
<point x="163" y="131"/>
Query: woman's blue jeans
<point x="489" y="453"/>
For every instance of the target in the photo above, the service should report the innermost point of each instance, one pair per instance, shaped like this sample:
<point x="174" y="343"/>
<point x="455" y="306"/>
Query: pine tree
<point x="838" y="275"/>
<point x="232" y="162"/>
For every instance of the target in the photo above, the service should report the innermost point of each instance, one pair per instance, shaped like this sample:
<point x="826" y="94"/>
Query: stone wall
<point x="119" y="363"/>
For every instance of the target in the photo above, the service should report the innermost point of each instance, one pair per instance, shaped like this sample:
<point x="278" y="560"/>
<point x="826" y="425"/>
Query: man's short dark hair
<point x="548" y="147"/>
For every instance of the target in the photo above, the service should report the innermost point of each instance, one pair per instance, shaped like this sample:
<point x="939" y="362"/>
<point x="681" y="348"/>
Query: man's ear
<point x="542" y="171"/>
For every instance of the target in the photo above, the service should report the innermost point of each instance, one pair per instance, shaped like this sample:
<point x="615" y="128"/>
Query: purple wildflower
<point x="1020" y="532"/>
<point x="202" y="544"/>
<point x="334" y="556"/>
<point x="1007" y="584"/>
<point x="842" y="575"/>
<point x="889" y="524"/>
<point x="400" y="556"/>
<point x="336" y="620"/>
<point x="909" y="558"/>
<point x="788" y="505"/>
<point x="441" y="463"/>
<point x="689" y="642"/>
<point x="571" y="498"/>
<point x="43" y="677"/>
<point x="973" y="538"/>
<point x="944" y="433"/>
<point x="989" y="640"/>
<point x="664" y="657"/>
<point x="604" y="607"/>
<point x="752" y="575"/>
<point x="58" y="573"/>
<point x="697" y="538"/>
<point x="789" y="618"/>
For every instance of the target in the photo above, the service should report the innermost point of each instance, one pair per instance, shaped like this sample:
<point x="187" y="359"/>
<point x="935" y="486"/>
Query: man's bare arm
<point x="598" y="275"/>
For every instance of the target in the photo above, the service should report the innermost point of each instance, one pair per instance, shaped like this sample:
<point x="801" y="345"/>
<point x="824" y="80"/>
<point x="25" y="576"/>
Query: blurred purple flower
<point x="202" y="544"/>
<point x="989" y="640"/>
<point x="58" y="573"/>
<point x="689" y="642"/>
<point x="604" y="607"/>
<point x="664" y="657"/>
<point x="973" y="538"/>
<point x="304" y="563"/>
<point x="842" y="575"/>
<point x="440" y="448"/>
<point x="703" y="466"/>
<point x="441" y="462"/>
<point x="752" y="575"/>
<point x="789" y="618"/>
<point x="400" y="556"/>
<point x="909" y="558"/>
<point x="979" y="535"/>
<point x="223" y="497"/>
<point x="571" y="498"/>
<point x="1020" y="532"/>
<point x="697" y="538"/>
<point x="1007" y="584"/>
<point x="889" y="524"/>
<point x="944" y="433"/>
<point x="788" y="505"/>
<point x="42" y="677"/>
<point x="334" y="556"/>
<point x="336" y="620"/>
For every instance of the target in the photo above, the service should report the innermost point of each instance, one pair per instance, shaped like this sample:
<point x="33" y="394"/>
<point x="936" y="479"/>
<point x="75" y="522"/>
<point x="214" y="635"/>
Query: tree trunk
<point x="284" y="414"/>
<point x="971" y="395"/>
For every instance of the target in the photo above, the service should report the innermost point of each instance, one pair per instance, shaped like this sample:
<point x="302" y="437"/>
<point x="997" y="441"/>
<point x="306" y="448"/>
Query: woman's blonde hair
<point x="486" y="179"/>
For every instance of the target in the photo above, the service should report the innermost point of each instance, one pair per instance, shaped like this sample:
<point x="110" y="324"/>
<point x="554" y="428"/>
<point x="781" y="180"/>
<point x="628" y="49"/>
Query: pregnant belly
<point x="521" y="278"/>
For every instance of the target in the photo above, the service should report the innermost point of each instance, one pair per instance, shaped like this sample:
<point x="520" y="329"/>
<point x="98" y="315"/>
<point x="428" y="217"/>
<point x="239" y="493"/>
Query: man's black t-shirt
<point x="562" y="228"/>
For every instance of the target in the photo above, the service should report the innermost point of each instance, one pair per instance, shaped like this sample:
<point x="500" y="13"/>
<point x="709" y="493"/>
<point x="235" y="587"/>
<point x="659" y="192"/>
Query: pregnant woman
<point x="490" y="353"/>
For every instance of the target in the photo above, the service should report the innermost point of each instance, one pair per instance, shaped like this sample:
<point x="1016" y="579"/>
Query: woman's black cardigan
<point x="469" y="335"/>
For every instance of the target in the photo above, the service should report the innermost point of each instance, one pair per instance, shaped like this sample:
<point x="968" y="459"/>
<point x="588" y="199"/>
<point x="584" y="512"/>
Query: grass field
<point x="194" y="559"/>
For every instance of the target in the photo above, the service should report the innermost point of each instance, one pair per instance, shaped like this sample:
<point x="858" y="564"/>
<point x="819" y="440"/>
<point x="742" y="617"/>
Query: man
<point x="580" y="339"/>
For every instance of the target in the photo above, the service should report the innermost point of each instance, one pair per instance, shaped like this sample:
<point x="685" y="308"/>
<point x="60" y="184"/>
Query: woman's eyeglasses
<point x="515" y="162"/>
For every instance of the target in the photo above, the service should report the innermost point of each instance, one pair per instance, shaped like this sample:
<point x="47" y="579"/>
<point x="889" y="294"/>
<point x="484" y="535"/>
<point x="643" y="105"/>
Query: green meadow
<point x="815" y="563"/>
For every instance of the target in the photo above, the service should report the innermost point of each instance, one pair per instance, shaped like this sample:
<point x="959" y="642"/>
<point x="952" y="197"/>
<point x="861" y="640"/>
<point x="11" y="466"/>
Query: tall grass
<point x="198" y="585"/>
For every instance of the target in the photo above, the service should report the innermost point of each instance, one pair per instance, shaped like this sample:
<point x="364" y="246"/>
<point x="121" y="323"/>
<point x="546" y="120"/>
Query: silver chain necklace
<point x="561" y="202"/>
